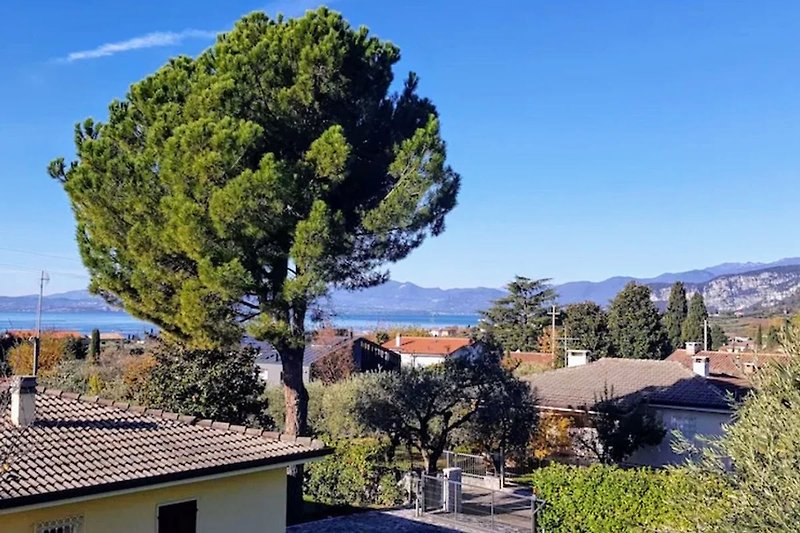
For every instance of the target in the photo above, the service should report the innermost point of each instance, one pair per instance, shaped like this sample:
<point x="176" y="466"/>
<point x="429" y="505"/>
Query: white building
<point x="425" y="351"/>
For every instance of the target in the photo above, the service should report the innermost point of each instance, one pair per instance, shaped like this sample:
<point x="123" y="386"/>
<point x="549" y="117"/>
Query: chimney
<point x="692" y="348"/>
<point x="23" y="400"/>
<point x="700" y="365"/>
<point x="577" y="357"/>
<point x="397" y="342"/>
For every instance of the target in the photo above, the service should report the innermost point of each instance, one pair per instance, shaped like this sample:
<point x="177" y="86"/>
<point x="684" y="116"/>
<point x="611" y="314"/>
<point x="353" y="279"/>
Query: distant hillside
<point x="726" y="287"/>
<point x="394" y="296"/>
<point x="66" y="302"/>
<point x="766" y="289"/>
<point x="603" y="292"/>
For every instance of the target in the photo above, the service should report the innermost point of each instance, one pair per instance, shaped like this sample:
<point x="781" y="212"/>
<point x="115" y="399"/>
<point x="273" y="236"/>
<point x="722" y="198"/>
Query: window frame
<point x="195" y="499"/>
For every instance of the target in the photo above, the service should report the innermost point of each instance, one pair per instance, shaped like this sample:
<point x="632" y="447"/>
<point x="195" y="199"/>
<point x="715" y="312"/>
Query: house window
<point x="178" y="517"/>
<point x="73" y="524"/>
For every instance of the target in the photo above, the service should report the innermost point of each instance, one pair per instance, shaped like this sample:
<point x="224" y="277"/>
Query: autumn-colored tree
<point x="335" y="366"/>
<point x="552" y="436"/>
<point x="545" y="344"/>
<point x="136" y="372"/>
<point x="20" y="357"/>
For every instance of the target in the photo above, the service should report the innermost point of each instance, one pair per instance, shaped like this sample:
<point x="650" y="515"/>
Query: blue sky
<point x="594" y="138"/>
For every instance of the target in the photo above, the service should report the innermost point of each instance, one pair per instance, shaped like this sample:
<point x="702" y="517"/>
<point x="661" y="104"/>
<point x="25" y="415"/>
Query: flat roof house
<point x="680" y="397"/>
<point x="76" y="464"/>
<point x="424" y="351"/>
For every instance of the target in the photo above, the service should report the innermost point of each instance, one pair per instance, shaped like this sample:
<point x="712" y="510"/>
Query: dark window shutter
<point x="178" y="517"/>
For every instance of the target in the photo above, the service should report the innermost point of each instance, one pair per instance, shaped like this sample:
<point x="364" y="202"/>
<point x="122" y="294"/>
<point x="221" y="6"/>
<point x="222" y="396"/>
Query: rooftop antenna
<point x="37" y="341"/>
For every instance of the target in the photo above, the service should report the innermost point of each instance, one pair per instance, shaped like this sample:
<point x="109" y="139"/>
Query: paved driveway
<point x="398" y="521"/>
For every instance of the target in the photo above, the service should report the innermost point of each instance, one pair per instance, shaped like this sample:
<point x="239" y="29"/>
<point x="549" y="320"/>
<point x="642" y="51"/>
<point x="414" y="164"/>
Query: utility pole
<point x="705" y="334"/>
<point x="37" y="340"/>
<point x="553" y="315"/>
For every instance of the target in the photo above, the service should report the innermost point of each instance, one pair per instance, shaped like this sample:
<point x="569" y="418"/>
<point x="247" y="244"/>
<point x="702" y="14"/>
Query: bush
<point x="216" y="383"/>
<point x="354" y="475"/>
<point x="20" y="357"/>
<point x="608" y="499"/>
<point x="331" y="408"/>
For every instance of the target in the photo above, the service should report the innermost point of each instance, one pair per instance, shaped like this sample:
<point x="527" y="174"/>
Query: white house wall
<point x="690" y="423"/>
<point x="420" y="360"/>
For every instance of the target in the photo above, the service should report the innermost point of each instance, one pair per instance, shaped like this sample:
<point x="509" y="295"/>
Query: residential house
<point x="367" y="356"/>
<point x="425" y="351"/>
<point x="731" y="371"/>
<point x="77" y="464"/>
<point x="684" y="399"/>
<point x="112" y="339"/>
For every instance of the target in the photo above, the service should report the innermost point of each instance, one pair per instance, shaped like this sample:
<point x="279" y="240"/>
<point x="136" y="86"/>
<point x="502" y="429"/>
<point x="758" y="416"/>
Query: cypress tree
<point x="94" y="346"/>
<point x="692" y="330"/>
<point x="676" y="314"/>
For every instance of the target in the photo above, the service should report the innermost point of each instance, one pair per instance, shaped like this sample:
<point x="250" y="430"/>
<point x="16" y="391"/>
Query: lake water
<point x="124" y="323"/>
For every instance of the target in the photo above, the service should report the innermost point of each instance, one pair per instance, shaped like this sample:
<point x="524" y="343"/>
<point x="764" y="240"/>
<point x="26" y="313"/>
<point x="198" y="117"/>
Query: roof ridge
<point x="184" y="419"/>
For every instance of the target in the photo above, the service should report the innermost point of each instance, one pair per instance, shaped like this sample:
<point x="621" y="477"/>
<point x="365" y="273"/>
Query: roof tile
<point x="84" y="446"/>
<point x="627" y="380"/>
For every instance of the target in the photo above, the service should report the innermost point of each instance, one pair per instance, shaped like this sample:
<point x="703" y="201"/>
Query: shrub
<point x="609" y="499"/>
<point x="216" y="383"/>
<point x="354" y="475"/>
<point x="74" y="348"/>
<point x="331" y="408"/>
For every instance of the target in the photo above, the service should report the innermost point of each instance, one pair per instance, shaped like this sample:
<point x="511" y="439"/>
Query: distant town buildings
<point x="425" y="351"/>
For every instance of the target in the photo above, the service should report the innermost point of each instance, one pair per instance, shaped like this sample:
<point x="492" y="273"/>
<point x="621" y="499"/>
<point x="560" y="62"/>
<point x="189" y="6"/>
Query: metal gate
<point x="477" y="468"/>
<point x="477" y="508"/>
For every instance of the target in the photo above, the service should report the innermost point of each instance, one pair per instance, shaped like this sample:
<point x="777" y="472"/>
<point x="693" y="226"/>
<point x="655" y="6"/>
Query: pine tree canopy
<point x="516" y="320"/>
<point x="239" y="186"/>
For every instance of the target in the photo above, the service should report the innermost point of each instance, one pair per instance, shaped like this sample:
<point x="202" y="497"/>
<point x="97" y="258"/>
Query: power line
<point x="20" y="268"/>
<point x="40" y="254"/>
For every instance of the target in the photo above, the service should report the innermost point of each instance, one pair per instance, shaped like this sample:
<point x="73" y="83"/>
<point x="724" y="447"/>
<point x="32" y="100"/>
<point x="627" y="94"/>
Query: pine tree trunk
<point x="296" y="401"/>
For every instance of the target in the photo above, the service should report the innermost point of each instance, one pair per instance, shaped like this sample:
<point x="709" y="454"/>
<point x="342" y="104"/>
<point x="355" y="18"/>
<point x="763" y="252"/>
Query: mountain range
<point x="729" y="287"/>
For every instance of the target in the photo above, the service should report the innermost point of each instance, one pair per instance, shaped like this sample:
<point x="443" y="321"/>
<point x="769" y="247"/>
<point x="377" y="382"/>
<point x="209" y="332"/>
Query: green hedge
<point x="354" y="475"/>
<point x="607" y="499"/>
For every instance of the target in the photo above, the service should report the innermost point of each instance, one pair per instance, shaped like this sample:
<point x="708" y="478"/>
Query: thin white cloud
<point x="151" y="40"/>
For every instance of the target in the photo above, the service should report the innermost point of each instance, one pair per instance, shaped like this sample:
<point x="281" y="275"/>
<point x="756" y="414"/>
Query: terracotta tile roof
<point x="728" y="369"/>
<point x="427" y="345"/>
<point x="81" y="446"/>
<point x="660" y="382"/>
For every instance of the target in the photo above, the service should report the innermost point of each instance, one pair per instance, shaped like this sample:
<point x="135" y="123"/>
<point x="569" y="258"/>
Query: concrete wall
<point x="241" y="504"/>
<point x="690" y="423"/>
